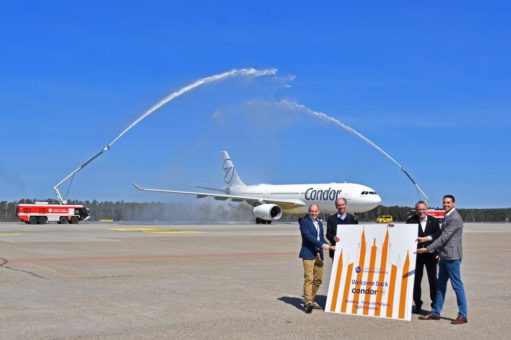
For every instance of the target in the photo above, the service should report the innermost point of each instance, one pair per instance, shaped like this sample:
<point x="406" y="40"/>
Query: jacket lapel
<point x="426" y="229"/>
<point x="311" y="223"/>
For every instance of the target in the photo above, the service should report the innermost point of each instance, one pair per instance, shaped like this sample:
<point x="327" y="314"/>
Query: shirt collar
<point x="342" y="217"/>
<point x="450" y="212"/>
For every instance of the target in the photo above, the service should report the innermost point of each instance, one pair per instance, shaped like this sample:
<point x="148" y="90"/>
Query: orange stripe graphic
<point x="392" y="285"/>
<point x="402" y="302"/>
<point x="361" y="262"/>
<point x="337" y="282"/>
<point x="381" y="278"/>
<point x="346" y="288"/>
<point x="369" y="286"/>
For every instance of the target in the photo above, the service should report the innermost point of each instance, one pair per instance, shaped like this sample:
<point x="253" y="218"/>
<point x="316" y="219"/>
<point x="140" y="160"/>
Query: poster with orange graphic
<point x="373" y="271"/>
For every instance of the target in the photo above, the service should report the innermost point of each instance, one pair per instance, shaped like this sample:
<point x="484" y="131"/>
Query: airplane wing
<point x="252" y="200"/>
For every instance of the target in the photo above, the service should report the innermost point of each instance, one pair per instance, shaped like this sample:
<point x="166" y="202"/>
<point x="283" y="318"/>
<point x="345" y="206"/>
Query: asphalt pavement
<point x="229" y="281"/>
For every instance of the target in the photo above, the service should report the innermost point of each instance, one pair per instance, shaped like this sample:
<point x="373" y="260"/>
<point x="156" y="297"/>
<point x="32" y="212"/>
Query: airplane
<point x="270" y="201"/>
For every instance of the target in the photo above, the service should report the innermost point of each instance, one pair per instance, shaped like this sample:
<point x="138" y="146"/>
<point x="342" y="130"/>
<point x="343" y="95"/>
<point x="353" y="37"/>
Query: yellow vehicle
<point x="385" y="219"/>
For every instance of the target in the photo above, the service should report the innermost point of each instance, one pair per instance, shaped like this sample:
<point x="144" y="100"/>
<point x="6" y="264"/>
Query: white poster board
<point x="373" y="271"/>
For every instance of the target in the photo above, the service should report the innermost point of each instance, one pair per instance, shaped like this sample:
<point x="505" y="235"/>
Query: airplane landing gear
<point x="261" y="221"/>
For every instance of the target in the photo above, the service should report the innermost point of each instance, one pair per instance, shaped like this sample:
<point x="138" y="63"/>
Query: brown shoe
<point x="308" y="307"/>
<point x="459" y="320"/>
<point x="430" y="316"/>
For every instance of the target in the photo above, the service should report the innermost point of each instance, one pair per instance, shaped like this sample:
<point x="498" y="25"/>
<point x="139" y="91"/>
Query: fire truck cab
<point x="42" y="212"/>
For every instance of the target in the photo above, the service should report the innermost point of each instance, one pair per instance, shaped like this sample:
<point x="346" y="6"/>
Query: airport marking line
<point x="157" y="231"/>
<point x="9" y="234"/>
<point x="146" y="257"/>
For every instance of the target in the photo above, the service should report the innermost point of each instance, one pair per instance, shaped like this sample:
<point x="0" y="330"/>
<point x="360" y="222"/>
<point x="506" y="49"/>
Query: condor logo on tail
<point x="228" y="171"/>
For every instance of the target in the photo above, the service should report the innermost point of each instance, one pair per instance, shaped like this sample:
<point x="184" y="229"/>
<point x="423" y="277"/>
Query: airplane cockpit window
<point x="368" y="193"/>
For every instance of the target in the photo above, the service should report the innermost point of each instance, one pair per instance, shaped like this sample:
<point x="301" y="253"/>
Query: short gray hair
<point x="421" y="202"/>
<point x="339" y="199"/>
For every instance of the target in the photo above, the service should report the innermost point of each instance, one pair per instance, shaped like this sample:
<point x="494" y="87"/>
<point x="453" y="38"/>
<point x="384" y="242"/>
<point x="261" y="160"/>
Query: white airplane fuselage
<point x="268" y="201"/>
<point x="360" y="198"/>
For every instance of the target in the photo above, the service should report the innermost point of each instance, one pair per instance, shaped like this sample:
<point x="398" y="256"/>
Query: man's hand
<point x="337" y="238"/>
<point x="326" y="246"/>
<point x="421" y="251"/>
<point x="422" y="239"/>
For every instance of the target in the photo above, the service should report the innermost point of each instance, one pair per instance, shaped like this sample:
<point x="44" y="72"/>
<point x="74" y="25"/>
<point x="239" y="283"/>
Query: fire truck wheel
<point x="42" y="219"/>
<point x="74" y="220"/>
<point x="32" y="220"/>
<point x="63" y="220"/>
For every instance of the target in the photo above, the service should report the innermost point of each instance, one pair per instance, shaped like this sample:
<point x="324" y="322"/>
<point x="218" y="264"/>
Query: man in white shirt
<point x="313" y="243"/>
<point x="429" y="229"/>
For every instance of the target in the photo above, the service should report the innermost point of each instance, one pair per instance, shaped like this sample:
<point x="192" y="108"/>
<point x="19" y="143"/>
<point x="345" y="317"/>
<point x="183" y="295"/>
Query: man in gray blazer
<point x="449" y="247"/>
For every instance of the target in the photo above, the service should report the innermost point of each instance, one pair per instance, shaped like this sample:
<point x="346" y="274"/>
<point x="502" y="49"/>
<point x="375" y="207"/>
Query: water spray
<point x="325" y="117"/>
<point x="246" y="72"/>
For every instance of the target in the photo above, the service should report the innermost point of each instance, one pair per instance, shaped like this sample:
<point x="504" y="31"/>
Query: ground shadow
<point x="298" y="301"/>
<point x="321" y="300"/>
<point x="426" y="312"/>
<point x="292" y="300"/>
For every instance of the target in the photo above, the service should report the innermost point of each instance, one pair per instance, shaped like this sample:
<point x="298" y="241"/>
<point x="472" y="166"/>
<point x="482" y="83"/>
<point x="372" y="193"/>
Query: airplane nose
<point x="377" y="199"/>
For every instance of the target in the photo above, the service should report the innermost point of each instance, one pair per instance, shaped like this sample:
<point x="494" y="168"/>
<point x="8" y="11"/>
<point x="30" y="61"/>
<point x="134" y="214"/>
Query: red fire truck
<point x="440" y="214"/>
<point x="42" y="212"/>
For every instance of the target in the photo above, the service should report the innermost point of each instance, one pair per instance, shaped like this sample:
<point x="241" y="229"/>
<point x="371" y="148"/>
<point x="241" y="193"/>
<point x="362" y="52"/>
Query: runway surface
<point x="227" y="281"/>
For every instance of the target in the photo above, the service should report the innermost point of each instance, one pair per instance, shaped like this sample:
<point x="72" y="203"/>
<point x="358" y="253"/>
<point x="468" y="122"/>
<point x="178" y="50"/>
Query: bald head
<point x="314" y="211"/>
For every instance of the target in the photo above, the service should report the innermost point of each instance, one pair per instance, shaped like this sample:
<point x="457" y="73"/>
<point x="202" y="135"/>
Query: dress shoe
<point x="459" y="320"/>
<point x="316" y="305"/>
<point x="430" y="316"/>
<point x="308" y="307"/>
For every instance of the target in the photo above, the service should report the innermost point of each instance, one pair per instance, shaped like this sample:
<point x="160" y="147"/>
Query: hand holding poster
<point x="373" y="271"/>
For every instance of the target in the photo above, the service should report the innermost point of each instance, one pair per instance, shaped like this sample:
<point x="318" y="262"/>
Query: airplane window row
<point x="368" y="193"/>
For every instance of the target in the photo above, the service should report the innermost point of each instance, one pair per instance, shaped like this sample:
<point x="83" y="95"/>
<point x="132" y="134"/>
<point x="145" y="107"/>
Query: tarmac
<point x="228" y="281"/>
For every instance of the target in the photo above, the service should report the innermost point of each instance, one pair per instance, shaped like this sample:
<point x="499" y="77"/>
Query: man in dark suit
<point x="313" y="243"/>
<point x="430" y="228"/>
<point x="449" y="247"/>
<point x="341" y="217"/>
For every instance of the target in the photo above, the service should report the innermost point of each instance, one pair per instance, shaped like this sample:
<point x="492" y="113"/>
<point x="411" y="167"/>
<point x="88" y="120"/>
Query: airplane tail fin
<point x="231" y="177"/>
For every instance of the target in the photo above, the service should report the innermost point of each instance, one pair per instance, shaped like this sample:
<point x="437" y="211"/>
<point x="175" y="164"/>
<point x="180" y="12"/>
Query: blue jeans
<point x="450" y="269"/>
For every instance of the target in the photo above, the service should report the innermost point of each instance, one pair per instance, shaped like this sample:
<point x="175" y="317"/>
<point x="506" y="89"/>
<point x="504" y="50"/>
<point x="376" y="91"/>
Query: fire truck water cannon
<point x="42" y="212"/>
<point x="63" y="213"/>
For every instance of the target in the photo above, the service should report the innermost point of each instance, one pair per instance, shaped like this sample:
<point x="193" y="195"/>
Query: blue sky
<point x="428" y="82"/>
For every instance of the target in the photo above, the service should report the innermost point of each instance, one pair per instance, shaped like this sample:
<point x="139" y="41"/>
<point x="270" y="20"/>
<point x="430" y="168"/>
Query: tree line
<point x="209" y="211"/>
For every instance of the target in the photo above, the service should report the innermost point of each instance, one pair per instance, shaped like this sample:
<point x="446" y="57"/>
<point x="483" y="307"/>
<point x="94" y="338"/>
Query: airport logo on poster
<point x="373" y="271"/>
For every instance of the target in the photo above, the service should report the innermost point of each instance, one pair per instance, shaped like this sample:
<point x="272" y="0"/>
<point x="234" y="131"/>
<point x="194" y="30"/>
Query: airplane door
<point x="346" y="195"/>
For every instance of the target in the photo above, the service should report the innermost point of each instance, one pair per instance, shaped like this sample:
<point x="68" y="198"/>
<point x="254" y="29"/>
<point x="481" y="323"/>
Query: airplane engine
<point x="267" y="212"/>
